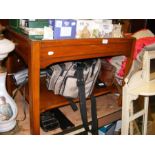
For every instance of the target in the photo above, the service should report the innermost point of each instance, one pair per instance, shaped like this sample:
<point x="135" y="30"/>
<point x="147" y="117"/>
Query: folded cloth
<point x="145" y="39"/>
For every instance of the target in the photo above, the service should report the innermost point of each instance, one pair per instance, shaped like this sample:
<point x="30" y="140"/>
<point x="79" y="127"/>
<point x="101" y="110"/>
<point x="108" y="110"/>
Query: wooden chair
<point x="141" y="83"/>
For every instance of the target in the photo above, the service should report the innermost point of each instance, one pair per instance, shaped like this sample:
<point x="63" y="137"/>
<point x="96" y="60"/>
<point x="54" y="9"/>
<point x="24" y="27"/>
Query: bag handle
<point x="81" y="90"/>
<point x="83" y="109"/>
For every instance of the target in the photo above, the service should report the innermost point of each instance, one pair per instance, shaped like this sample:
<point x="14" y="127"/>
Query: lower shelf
<point x="108" y="111"/>
<point x="48" y="100"/>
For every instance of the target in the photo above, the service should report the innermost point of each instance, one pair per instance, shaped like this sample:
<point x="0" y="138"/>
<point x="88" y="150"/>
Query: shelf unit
<point x="37" y="55"/>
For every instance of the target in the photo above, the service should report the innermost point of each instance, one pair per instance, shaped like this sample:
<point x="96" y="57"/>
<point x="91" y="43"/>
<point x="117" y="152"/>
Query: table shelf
<point x="48" y="100"/>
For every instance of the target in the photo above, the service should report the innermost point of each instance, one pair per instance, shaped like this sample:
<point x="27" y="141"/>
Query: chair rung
<point x="138" y="114"/>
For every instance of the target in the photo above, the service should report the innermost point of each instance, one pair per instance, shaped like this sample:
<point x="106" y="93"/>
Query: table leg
<point x="34" y="88"/>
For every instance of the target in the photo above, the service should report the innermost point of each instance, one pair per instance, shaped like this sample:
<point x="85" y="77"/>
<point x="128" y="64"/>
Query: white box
<point x="94" y="28"/>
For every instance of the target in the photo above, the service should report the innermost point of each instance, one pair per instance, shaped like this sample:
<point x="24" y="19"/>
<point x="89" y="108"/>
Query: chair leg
<point x="125" y="115"/>
<point x="131" y="128"/>
<point x="145" y="116"/>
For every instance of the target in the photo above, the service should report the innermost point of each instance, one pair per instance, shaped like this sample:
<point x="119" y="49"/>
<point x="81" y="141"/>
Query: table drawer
<point x="51" y="54"/>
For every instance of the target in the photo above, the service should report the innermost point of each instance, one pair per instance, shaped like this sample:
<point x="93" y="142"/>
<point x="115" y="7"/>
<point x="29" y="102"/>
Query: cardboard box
<point x="38" y="23"/>
<point x="63" y="28"/>
<point x="84" y="29"/>
<point x="93" y="28"/>
<point x="34" y="33"/>
<point x="34" y="28"/>
<point x="33" y="23"/>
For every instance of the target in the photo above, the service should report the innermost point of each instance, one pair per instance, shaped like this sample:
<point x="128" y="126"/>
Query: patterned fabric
<point x="144" y="38"/>
<point x="142" y="34"/>
<point x="119" y="62"/>
<point x="141" y="43"/>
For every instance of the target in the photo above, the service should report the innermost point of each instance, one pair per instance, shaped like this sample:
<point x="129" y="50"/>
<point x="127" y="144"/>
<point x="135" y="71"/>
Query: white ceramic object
<point x="6" y="46"/>
<point x="7" y="125"/>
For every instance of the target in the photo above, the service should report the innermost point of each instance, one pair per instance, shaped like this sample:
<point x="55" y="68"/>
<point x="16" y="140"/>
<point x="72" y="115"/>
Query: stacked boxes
<point x="34" y="28"/>
<point x="66" y="28"/>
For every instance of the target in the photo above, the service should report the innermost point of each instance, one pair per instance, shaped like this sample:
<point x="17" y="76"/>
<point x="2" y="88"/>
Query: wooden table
<point x="39" y="54"/>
